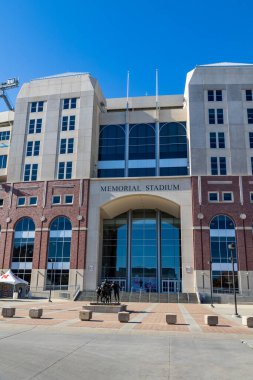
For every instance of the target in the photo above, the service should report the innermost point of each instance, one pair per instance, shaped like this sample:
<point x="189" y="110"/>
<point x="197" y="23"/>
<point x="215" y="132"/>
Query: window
<point x="35" y="126"/>
<point x="223" y="166"/>
<point x="210" y="95"/>
<point x="56" y="199"/>
<point x="142" y="142"/>
<point x="29" y="148"/>
<point x="33" y="148"/>
<point x="21" y="201"/>
<point x="215" y="116"/>
<point x="217" y="140"/>
<point x="30" y="172"/>
<point x="213" y="197"/>
<point x="1" y="202"/>
<point x="222" y="233"/>
<point x="213" y="143"/>
<point x="150" y="146"/>
<point x="23" y="246"/>
<point x="211" y="115"/>
<point x="227" y="197"/>
<point x="37" y="106"/>
<point x="67" y="146"/>
<point x="214" y="95"/>
<point x="68" y="199"/>
<point x="5" y="135"/>
<point x="69" y="103"/>
<point x="68" y="123"/>
<point x="219" y="116"/>
<point x="250" y="115"/>
<point x="65" y="170"/>
<point x="251" y="139"/>
<point x="63" y="145"/>
<point x="251" y="197"/>
<point x="111" y="143"/>
<point x="3" y="161"/>
<point x="251" y="160"/>
<point x="218" y="166"/>
<point x="221" y="140"/>
<point x="248" y="95"/>
<point x="59" y="249"/>
<point x="33" y="201"/>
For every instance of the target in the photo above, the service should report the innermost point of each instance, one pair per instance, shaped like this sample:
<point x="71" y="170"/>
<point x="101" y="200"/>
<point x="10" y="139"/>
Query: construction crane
<point x="10" y="83"/>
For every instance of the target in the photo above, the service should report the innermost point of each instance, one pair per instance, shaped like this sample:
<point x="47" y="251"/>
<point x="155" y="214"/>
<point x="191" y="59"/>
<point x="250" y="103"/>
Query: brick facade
<point x="241" y="188"/>
<point x="43" y="214"/>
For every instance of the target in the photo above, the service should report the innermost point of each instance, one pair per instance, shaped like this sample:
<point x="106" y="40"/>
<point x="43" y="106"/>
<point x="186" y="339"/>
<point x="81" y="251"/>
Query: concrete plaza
<point x="60" y="346"/>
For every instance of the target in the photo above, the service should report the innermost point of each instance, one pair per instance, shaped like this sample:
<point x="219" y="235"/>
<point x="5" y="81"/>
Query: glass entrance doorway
<point x="142" y="248"/>
<point x="170" y="286"/>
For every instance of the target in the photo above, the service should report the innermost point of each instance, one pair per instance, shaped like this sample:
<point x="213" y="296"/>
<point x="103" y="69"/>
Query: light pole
<point x="211" y="281"/>
<point x="231" y="247"/>
<point x="51" y="280"/>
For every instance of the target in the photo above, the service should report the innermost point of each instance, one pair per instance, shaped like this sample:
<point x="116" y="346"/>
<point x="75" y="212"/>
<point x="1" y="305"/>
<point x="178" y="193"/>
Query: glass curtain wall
<point x="141" y="250"/>
<point x="59" y="249"/>
<point x="23" y="246"/>
<point x="170" y="253"/>
<point x="114" y="260"/>
<point x="144" y="250"/>
<point x="143" y="150"/>
<point x="222" y="233"/>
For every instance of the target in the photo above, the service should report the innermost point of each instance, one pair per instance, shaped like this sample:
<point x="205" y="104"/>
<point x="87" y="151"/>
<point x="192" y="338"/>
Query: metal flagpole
<point x="127" y="126"/>
<point x="127" y="90"/>
<point x="157" y="131"/>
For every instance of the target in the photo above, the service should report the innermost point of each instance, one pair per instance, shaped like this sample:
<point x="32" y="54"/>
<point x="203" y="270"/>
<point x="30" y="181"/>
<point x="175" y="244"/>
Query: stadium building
<point x="146" y="191"/>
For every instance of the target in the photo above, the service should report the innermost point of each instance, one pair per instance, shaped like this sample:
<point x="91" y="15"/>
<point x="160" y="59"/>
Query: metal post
<point x="211" y="282"/>
<point x="232" y="247"/>
<point x="51" y="280"/>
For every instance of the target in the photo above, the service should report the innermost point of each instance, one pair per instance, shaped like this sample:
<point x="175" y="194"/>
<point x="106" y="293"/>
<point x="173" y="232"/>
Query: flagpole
<point x="127" y="126"/>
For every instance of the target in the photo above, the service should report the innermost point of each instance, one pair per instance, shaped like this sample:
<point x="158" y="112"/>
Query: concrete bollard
<point x="171" y="319"/>
<point x="8" y="312"/>
<point x="123" y="316"/>
<point x="35" y="313"/>
<point x="85" y="315"/>
<point x="211" y="320"/>
<point x="247" y="321"/>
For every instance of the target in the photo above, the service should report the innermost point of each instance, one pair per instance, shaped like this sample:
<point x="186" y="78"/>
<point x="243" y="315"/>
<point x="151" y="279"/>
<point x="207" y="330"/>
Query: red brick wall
<point x="233" y="210"/>
<point x="9" y="193"/>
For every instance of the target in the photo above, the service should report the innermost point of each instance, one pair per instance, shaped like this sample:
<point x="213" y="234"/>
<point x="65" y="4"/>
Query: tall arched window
<point x="173" y="149"/>
<point x="111" y="143"/>
<point x="59" y="249"/>
<point x="222" y="233"/>
<point x="23" y="246"/>
<point x="142" y="146"/>
<point x="111" y="154"/>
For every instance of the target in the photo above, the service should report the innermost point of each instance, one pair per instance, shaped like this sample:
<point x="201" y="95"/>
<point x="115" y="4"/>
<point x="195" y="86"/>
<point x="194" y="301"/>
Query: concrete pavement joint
<point x="193" y="326"/>
<point x="59" y="360"/>
<point x="139" y="318"/>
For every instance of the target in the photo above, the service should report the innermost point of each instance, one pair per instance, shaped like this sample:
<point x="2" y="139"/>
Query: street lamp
<point x="211" y="281"/>
<point x="51" y="280"/>
<point x="231" y="247"/>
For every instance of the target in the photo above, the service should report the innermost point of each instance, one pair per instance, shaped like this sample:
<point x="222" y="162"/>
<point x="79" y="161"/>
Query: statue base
<point x="105" y="307"/>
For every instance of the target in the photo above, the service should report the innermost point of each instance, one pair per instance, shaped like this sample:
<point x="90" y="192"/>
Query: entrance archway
<point x="141" y="247"/>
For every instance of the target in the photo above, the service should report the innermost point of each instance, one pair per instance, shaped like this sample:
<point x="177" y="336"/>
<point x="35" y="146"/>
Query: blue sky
<point x="107" y="38"/>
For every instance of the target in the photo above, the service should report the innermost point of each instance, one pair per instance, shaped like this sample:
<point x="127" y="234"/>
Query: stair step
<point x="91" y="296"/>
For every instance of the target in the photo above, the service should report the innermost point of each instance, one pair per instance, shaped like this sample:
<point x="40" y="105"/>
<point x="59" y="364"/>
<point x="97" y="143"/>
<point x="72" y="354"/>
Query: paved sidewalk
<point x="145" y="317"/>
<point x="59" y="346"/>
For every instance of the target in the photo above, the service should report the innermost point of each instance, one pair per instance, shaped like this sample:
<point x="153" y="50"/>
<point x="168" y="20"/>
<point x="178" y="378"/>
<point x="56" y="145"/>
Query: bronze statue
<point x="104" y="292"/>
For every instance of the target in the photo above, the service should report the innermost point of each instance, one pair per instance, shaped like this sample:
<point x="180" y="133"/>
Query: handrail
<point x="76" y="294"/>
